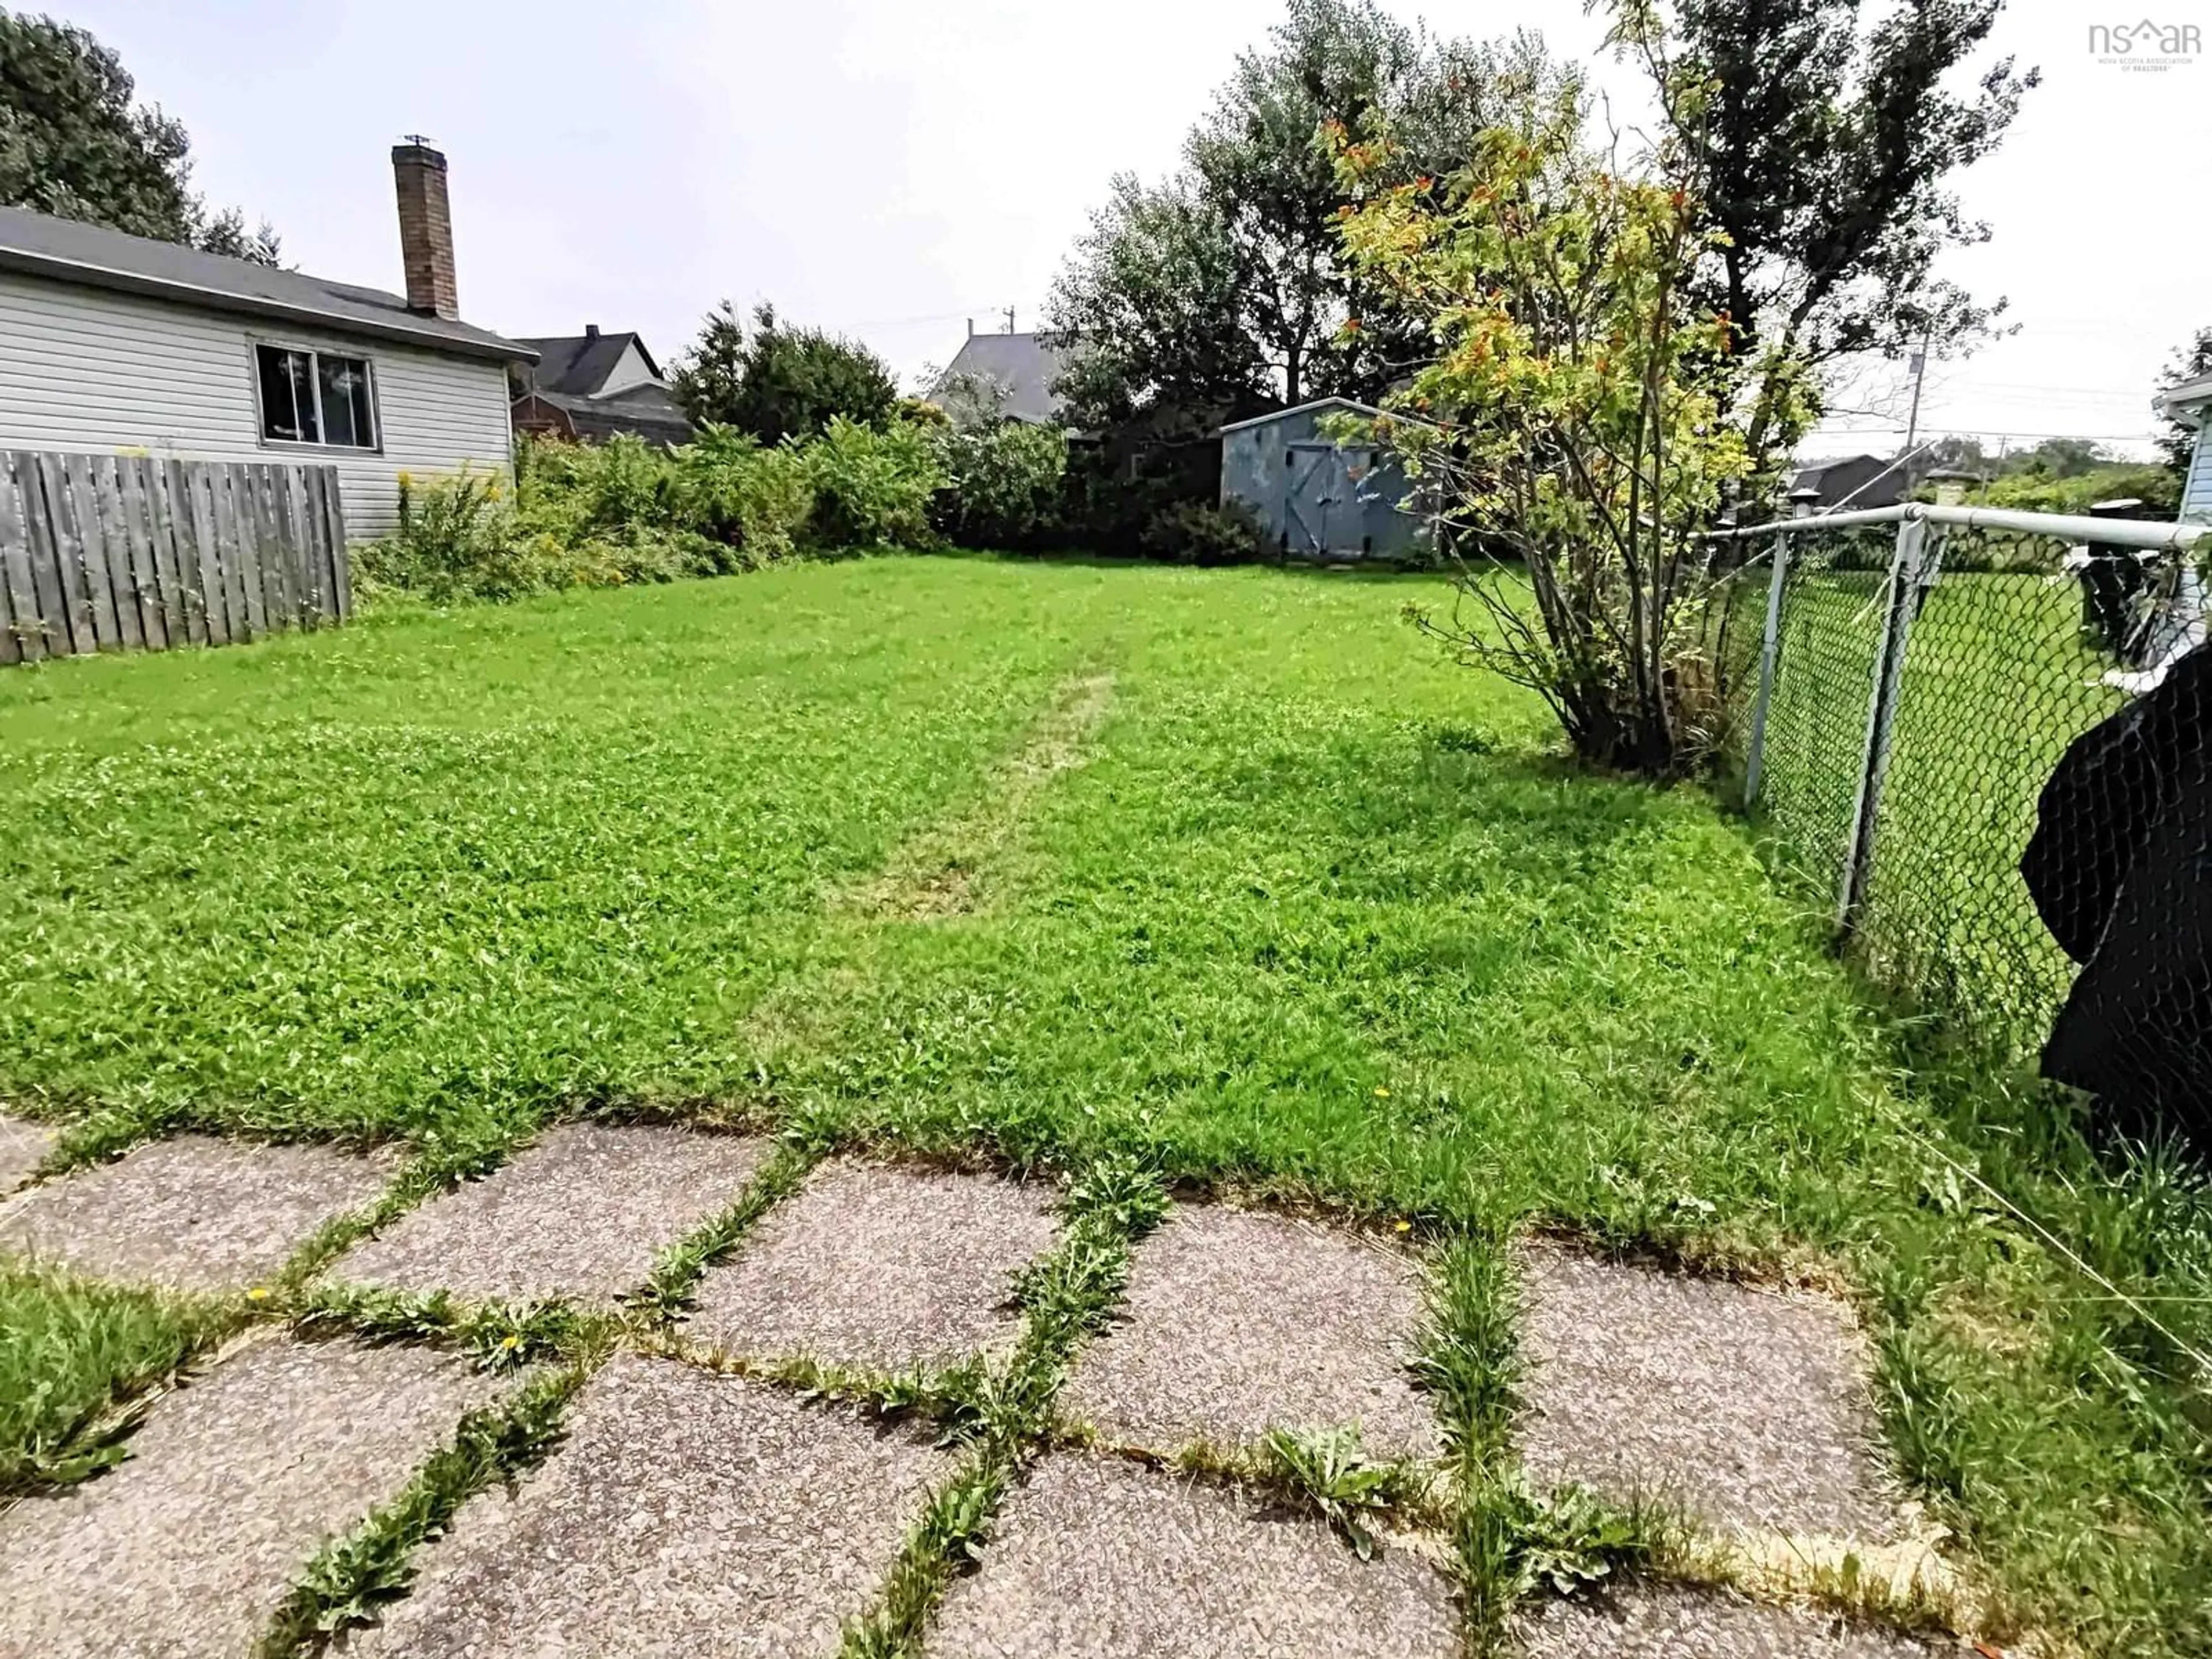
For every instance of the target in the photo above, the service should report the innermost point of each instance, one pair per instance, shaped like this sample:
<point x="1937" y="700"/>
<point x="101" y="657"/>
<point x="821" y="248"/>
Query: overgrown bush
<point x="872" y="489"/>
<point x="457" y="539"/>
<point x="754" y="499"/>
<point x="1189" y="533"/>
<point x="1003" y="483"/>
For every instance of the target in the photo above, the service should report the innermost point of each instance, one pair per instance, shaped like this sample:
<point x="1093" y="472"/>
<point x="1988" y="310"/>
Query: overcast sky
<point x="890" y="167"/>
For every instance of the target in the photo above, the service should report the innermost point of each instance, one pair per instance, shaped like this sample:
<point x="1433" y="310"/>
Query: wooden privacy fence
<point x="141" y="553"/>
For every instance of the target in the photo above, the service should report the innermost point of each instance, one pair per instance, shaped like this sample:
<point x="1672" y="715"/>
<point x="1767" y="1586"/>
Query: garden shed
<point x="1320" y="498"/>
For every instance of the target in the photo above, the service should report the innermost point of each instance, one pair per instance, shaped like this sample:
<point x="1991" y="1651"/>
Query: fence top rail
<point x="2139" y="533"/>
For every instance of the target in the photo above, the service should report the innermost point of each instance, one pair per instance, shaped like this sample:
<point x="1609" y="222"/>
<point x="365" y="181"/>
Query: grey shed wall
<point x="1304" y="488"/>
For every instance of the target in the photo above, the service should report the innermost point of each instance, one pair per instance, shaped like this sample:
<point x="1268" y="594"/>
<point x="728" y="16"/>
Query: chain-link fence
<point x="1899" y="686"/>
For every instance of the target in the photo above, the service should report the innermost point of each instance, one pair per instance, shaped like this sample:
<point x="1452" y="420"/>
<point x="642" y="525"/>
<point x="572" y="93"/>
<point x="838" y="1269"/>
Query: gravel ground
<point x="1099" y="1558"/>
<point x="577" y="1217"/>
<point x="190" y="1546"/>
<point x="1749" y="1407"/>
<point x="1237" y="1321"/>
<point x="22" y="1145"/>
<point x="879" y="1267"/>
<point x="1653" y="1621"/>
<point x="193" y="1212"/>
<point x="686" y="1513"/>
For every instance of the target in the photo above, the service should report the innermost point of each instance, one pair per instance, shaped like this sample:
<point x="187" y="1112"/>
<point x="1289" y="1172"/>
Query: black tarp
<point x="2120" y="867"/>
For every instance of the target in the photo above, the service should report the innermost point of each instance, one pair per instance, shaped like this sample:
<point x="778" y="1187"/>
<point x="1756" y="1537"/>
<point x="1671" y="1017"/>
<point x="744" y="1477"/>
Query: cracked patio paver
<point x="684" y="1513"/>
<point x="1661" y="1621"/>
<point x="1749" y="1407"/>
<point x="193" y="1212"/>
<point x="1099" y="1558"/>
<point x="870" y="1265"/>
<point x="232" y="1483"/>
<point x="579" y="1216"/>
<point x="1238" y="1321"/>
<point x="23" y="1144"/>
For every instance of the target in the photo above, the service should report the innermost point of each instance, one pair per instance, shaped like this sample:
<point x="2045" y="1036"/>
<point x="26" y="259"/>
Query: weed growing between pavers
<point x="678" y="1268"/>
<point x="1510" y="1541"/>
<point x="1003" y="1412"/>
<point x="350" y="1576"/>
<point x="76" y="1359"/>
<point x="498" y="1336"/>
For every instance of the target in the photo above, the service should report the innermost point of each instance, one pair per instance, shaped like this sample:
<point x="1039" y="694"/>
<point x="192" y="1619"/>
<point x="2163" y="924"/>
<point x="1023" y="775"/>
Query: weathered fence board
<point x="46" y="591"/>
<point x="125" y="552"/>
<point x="18" y="644"/>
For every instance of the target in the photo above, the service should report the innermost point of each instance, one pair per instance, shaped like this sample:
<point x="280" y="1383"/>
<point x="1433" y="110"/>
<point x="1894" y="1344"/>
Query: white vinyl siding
<point x="2196" y="493"/>
<point x="85" y="370"/>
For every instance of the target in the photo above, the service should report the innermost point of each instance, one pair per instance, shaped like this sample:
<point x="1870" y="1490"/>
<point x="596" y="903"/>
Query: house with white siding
<point x="2189" y="403"/>
<point x="112" y="343"/>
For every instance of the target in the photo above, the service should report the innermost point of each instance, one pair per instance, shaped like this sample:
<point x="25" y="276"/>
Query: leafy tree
<point x="2191" y="363"/>
<point x="1227" y="283"/>
<point x="226" y="233"/>
<point x="2056" y="458"/>
<point x="73" y="143"/>
<point x="1151" y="300"/>
<point x="1823" y="152"/>
<point x="779" y="382"/>
<point x="1574" y="415"/>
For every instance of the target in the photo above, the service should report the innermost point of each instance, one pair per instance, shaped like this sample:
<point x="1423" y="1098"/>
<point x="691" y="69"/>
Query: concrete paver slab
<point x="685" y="1513"/>
<point x="1652" y="1621"/>
<point x="577" y="1217"/>
<point x="1100" y="1558"/>
<point x="22" y="1145"/>
<point x="232" y="1484"/>
<point x="1238" y="1321"/>
<point x="879" y="1267"/>
<point x="1748" y="1407"/>
<point x="194" y="1212"/>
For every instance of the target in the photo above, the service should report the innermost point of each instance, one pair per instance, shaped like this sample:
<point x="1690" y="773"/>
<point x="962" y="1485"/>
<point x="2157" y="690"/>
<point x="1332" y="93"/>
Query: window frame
<point x="254" y="345"/>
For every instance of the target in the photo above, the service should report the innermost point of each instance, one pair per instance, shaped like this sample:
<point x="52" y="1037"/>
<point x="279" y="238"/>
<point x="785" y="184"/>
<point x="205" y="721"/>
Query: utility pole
<point x="1919" y="361"/>
<point x="1010" y="319"/>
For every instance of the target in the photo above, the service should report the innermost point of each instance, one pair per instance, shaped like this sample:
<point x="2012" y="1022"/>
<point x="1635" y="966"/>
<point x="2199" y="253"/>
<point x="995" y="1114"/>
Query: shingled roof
<point x="1022" y="366"/>
<point x="68" y="249"/>
<point x="577" y="365"/>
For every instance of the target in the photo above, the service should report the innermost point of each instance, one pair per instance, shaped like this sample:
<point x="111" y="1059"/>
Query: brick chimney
<point x="426" y="228"/>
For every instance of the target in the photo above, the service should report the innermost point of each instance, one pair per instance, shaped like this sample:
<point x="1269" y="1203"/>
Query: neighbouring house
<point x="110" y="342"/>
<point x="1319" y="497"/>
<point x="1854" y="481"/>
<point x="1018" y="368"/>
<point x="2189" y="403"/>
<point x="591" y="385"/>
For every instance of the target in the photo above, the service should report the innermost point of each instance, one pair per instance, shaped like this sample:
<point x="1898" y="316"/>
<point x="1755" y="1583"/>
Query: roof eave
<point x="1324" y="403"/>
<point x="28" y="264"/>
<point x="2186" y="401"/>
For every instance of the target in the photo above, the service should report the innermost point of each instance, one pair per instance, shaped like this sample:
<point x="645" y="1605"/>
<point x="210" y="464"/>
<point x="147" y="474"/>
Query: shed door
<point x="1321" y="508"/>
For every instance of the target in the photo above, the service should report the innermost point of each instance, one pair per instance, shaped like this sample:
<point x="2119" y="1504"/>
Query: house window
<point x="315" y="397"/>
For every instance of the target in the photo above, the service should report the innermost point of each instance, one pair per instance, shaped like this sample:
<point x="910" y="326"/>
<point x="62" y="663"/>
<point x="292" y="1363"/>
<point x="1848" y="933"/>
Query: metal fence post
<point x="1912" y="572"/>
<point x="1754" y="765"/>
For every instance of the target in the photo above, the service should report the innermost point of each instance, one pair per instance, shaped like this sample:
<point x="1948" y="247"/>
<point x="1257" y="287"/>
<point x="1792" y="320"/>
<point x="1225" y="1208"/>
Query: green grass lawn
<point x="1227" y="867"/>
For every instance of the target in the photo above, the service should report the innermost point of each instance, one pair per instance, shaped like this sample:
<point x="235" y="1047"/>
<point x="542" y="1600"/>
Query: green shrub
<point x="872" y="489"/>
<point x="1003" y="483"/>
<point x="457" y="539"/>
<point x="1188" y="533"/>
<point x="754" y="500"/>
<point x="575" y="518"/>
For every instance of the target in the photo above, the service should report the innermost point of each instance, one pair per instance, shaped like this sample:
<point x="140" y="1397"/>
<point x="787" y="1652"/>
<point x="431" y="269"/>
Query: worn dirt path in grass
<point x="880" y="1407"/>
